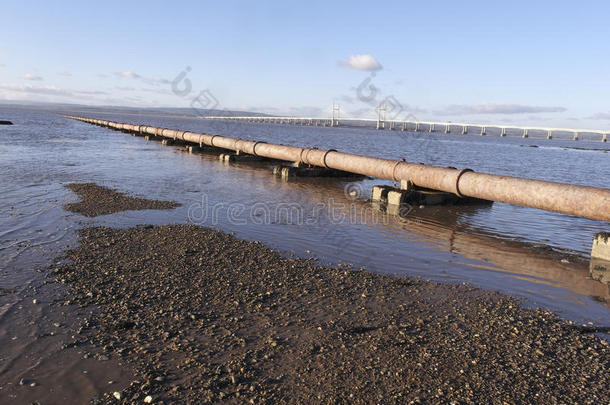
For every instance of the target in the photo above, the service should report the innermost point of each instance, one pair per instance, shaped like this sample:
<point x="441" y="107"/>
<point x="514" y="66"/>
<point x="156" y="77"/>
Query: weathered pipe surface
<point x="581" y="201"/>
<point x="4" y="122"/>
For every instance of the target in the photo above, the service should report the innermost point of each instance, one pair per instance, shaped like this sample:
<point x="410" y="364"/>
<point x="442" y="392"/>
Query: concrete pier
<point x="599" y="267"/>
<point x="286" y="171"/>
<point x="240" y="157"/>
<point x="193" y="149"/>
<point x="410" y="195"/>
<point x="380" y="193"/>
<point x="601" y="246"/>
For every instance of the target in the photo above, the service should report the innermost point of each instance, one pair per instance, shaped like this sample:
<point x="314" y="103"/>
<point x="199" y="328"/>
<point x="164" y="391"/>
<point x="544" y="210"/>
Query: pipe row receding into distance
<point x="582" y="201"/>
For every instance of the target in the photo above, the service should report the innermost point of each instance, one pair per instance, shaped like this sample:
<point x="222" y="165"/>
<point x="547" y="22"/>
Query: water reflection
<point x="447" y="229"/>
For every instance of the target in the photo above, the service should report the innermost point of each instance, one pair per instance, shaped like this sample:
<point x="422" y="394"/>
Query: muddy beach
<point x="96" y="200"/>
<point x="188" y="314"/>
<point x="203" y="317"/>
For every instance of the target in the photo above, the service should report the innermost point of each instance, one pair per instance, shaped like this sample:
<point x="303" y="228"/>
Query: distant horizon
<point x="198" y="114"/>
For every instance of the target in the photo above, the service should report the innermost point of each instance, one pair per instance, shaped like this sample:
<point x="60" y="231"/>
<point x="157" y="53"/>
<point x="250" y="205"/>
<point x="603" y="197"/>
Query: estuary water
<point x="539" y="256"/>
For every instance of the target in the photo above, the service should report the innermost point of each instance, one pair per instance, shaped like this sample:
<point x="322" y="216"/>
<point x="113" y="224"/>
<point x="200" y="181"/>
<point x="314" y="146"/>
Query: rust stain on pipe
<point x="582" y="201"/>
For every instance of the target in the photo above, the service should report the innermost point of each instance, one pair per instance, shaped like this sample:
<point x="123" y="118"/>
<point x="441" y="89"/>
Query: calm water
<point x="536" y="255"/>
<point x="43" y="151"/>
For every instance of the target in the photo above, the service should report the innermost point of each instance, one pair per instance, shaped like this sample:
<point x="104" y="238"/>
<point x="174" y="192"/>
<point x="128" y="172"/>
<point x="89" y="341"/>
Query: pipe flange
<point x="457" y="181"/>
<point x="183" y="132"/>
<point x="307" y="155"/>
<point x="301" y="156"/>
<point x="212" y="140"/>
<point x="394" y="170"/>
<point x="254" y="147"/>
<point x="324" y="157"/>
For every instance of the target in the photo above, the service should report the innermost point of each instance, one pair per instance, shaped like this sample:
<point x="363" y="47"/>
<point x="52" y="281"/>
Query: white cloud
<point x="48" y="90"/>
<point x="2" y="65"/>
<point x="160" y="80"/>
<point x="152" y="81"/>
<point x="362" y="62"/>
<point x="127" y="74"/>
<point x="51" y="90"/>
<point x="90" y="92"/>
<point x="601" y="116"/>
<point x="125" y="88"/>
<point x="458" y="109"/>
<point x="65" y="73"/>
<point x="30" y="76"/>
<point x="158" y="91"/>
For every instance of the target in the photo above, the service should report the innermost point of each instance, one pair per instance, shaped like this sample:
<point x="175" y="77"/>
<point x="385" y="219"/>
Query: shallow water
<point x="537" y="255"/>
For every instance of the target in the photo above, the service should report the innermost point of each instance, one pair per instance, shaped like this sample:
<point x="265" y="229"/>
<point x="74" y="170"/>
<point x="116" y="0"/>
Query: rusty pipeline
<point x="581" y="201"/>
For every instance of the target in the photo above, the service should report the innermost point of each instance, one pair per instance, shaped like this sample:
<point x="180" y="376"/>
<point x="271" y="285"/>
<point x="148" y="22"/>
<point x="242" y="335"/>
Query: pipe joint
<point x="457" y="181"/>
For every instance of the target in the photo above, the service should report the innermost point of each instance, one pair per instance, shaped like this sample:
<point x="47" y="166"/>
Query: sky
<point x="543" y="63"/>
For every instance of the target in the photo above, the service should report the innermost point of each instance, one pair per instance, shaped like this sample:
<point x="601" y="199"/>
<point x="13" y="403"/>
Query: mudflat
<point x="98" y="200"/>
<point x="202" y="316"/>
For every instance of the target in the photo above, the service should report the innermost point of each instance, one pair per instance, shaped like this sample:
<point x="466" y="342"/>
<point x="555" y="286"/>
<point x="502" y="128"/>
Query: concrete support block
<point x="306" y="171"/>
<point x="409" y="195"/>
<point x="284" y="171"/>
<point x="193" y="149"/>
<point x="380" y="193"/>
<point x="240" y="157"/>
<point x="601" y="246"/>
<point x="167" y="142"/>
<point x="599" y="267"/>
<point x="396" y="197"/>
<point x="402" y="197"/>
<point x="406" y="185"/>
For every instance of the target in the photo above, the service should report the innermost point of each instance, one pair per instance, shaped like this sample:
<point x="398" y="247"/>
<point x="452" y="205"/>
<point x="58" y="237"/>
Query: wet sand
<point x="202" y="316"/>
<point x="97" y="200"/>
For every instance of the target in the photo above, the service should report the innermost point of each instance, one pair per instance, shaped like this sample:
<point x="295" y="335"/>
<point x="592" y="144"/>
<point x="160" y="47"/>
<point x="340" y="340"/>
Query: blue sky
<point x="536" y="63"/>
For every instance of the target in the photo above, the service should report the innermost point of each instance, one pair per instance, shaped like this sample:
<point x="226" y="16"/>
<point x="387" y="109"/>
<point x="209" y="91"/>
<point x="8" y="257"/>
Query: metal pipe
<point x="582" y="201"/>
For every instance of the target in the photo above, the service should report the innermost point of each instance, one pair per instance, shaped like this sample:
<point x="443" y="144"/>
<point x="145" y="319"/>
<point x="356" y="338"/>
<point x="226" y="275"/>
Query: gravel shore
<point x="202" y="317"/>
<point x="98" y="200"/>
